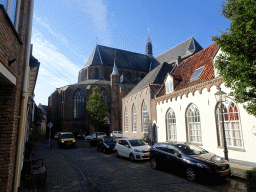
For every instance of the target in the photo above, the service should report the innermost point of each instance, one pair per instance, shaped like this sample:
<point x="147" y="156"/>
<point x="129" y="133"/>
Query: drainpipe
<point x="23" y="112"/>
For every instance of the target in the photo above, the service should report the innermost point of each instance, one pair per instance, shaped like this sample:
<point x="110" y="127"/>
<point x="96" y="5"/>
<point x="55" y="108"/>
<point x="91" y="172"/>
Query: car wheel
<point x="153" y="163"/>
<point x="116" y="154"/>
<point x="190" y="174"/>
<point x="132" y="159"/>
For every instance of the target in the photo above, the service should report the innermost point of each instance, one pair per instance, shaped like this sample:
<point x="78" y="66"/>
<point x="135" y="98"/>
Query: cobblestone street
<point x="85" y="169"/>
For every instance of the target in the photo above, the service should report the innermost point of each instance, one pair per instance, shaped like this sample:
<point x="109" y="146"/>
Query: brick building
<point x="17" y="80"/>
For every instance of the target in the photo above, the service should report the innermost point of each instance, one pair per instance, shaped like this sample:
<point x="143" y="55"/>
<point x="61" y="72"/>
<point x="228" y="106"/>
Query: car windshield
<point x="136" y="142"/>
<point x="67" y="136"/>
<point x="190" y="149"/>
<point x="109" y="140"/>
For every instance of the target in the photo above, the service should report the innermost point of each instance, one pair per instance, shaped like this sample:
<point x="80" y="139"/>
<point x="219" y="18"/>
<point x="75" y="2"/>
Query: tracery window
<point x="193" y="124"/>
<point x="134" y="119"/>
<point x="126" y="120"/>
<point x="79" y="105"/>
<point x="145" y="117"/>
<point x="171" y="125"/>
<point x="105" y="96"/>
<point x="232" y="125"/>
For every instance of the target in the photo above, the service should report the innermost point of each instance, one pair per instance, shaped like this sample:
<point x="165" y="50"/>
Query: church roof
<point x="156" y="76"/>
<point x="102" y="55"/>
<point x="93" y="81"/>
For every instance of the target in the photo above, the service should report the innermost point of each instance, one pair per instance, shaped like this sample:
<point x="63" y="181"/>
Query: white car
<point x="116" y="134"/>
<point x="134" y="149"/>
<point x="93" y="136"/>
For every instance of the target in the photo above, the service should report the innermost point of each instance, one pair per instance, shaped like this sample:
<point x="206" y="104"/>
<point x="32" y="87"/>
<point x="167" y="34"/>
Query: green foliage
<point x="251" y="179"/>
<point x="237" y="65"/>
<point x="96" y="109"/>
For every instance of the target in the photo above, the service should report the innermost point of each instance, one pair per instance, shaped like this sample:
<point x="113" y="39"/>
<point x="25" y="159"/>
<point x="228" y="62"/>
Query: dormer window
<point x="197" y="74"/>
<point x="169" y="85"/>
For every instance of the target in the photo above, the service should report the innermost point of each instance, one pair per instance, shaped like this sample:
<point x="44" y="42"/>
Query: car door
<point x="119" y="147"/>
<point x="126" y="148"/>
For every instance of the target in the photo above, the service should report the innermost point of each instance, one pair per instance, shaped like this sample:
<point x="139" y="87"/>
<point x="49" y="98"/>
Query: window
<point x="96" y="73"/>
<point x="232" y="125"/>
<point x="145" y="117"/>
<point x="193" y="124"/>
<point x="10" y="6"/>
<point x="169" y="85"/>
<point x="171" y="125"/>
<point x="134" y="119"/>
<point x="105" y="96"/>
<point x="79" y="105"/>
<point x="126" y="120"/>
<point x="197" y="73"/>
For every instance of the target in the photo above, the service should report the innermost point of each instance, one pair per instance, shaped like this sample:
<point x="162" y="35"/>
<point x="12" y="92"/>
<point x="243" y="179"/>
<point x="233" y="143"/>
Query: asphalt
<point x="237" y="170"/>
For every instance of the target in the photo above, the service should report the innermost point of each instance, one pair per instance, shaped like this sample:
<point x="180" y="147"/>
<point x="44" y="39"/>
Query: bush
<point x="251" y="180"/>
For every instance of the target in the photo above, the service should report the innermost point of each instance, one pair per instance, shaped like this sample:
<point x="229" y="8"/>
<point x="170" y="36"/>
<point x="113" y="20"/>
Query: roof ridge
<point x="99" y="54"/>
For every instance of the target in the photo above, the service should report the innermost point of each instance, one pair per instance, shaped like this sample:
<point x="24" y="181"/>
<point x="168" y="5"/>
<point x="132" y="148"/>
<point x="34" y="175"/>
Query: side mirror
<point x="127" y="146"/>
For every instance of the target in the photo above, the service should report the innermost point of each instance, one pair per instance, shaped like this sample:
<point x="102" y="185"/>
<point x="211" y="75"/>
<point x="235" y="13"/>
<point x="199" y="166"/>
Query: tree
<point x="96" y="109"/>
<point x="237" y="64"/>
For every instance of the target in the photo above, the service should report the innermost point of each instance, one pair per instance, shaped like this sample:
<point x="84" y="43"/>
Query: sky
<point x="65" y="32"/>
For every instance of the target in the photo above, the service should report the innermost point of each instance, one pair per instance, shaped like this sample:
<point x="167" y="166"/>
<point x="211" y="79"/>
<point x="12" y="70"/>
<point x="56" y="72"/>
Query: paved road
<point x="84" y="169"/>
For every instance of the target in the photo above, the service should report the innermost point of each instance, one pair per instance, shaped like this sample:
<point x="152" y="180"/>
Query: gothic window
<point x="126" y="120"/>
<point x="171" y="125"/>
<point x="232" y="125"/>
<point x="134" y="119"/>
<point x="96" y="73"/>
<point x="79" y="105"/>
<point x="145" y="117"/>
<point x="193" y="124"/>
<point x="105" y="96"/>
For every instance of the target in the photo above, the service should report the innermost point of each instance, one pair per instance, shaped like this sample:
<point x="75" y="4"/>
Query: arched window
<point x="96" y="73"/>
<point x="105" y="96"/>
<point x="145" y="117"/>
<point x="134" y="119"/>
<point x="126" y="120"/>
<point x="79" y="105"/>
<point x="193" y="124"/>
<point x="171" y="125"/>
<point x="232" y="125"/>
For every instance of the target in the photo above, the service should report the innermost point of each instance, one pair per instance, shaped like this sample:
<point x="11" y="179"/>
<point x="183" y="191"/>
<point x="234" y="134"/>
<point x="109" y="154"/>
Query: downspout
<point x="23" y="112"/>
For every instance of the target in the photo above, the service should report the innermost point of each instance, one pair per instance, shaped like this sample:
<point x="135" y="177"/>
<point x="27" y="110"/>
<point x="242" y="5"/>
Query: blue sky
<point x="65" y="32"/>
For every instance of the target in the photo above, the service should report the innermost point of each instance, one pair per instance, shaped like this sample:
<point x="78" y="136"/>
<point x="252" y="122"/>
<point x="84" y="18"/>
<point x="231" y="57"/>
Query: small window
<point x="197" y="74"/>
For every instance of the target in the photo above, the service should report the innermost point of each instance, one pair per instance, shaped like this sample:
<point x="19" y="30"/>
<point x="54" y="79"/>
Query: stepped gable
<point x="156" y="76"/>
<point x="103" y="55"/>
<point x="187" y="67"/>
<point x="184" y="49"/>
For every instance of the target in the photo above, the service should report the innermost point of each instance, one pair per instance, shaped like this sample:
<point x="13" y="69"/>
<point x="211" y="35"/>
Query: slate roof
<point x="156" y="76"/>
<point x="93" y="81"/>
<point x="187" y="67"/>
<point x="102" y="55"/>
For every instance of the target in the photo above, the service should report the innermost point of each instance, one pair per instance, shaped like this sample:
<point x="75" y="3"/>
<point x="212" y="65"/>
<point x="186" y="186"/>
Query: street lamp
<point x="221" y="97"/>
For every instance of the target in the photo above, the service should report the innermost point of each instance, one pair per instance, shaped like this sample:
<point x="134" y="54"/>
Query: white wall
<point x="206" y="104"/>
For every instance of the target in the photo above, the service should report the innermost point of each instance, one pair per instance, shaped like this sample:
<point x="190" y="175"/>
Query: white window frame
<point x="233" y="130"/>
<point x="126" y="120"/>
<point x="169" y="85"/>
<point x="194" y="124"/>
<point x="171" y="125"/>
<point x="134" y="119"/>
<point x="195" y="78"/>
<point x="144" y="117"/>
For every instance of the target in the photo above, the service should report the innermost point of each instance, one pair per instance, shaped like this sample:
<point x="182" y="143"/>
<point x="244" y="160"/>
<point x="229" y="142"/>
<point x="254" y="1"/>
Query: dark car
<point x="191" y="159"/>
<point x="106" y="144"/>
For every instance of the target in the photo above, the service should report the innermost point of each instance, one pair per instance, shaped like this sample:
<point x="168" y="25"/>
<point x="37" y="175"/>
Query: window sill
<point x="134" y="132"/>
<point x="233" y="149"/>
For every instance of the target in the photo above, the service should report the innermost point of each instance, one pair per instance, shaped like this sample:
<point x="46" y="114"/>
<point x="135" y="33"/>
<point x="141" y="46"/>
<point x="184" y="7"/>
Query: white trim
<point x="5" y="72"/>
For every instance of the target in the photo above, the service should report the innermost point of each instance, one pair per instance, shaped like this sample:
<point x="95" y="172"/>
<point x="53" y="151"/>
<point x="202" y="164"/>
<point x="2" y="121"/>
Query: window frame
<point x="173" y="123"/>
<point x="126" y="120"/>
<point x="198" y="76"/>
<point x="134" y="119"/>
<point x="79" y="111"/>
<point x="144" y="116"/>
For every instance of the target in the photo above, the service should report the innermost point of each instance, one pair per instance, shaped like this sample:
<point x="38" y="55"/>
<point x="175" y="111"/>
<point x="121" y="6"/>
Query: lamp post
<point x="221" y="97"/>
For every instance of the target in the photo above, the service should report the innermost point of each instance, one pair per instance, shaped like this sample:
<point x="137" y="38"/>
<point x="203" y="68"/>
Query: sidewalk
<point x="238" y="170"/>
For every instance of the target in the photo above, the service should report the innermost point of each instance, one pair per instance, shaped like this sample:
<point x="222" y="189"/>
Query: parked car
<point x="106" y="144"/>
<point x="93" y="136"/>
<point x="191" y="159"/>
<point x="116" y="134"/>
<point x="56" y="135"/>
<point x="81" y="135"/>
<point x="66" y="139"/>
<point x="134" y="149"/>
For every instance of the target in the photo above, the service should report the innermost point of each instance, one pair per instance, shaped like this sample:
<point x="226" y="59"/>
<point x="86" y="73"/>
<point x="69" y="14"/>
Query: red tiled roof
<point x="187" y="68"/>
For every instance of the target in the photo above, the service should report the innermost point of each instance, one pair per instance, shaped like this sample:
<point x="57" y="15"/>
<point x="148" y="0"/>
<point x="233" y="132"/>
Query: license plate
<point x="146" y="154"/>
<point x="224" y="173"/>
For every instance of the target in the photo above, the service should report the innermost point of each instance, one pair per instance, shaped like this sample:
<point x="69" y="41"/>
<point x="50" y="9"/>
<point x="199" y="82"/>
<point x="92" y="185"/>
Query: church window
<point x="105" y="96"/>
<point x="232" y="125"/>
<point x="134" y="119"/>
<point x="96" y="73"/>
<point x="145" y="117"/>
<point x="193" y="124"/>
<point x="126" y="120"/>
<point x="171" y="125"/>
<point x="79" y="105"/>
<point x="197" y="73"/>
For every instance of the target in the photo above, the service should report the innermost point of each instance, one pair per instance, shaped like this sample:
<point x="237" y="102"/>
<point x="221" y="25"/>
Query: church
<point x="117" y="73"/>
